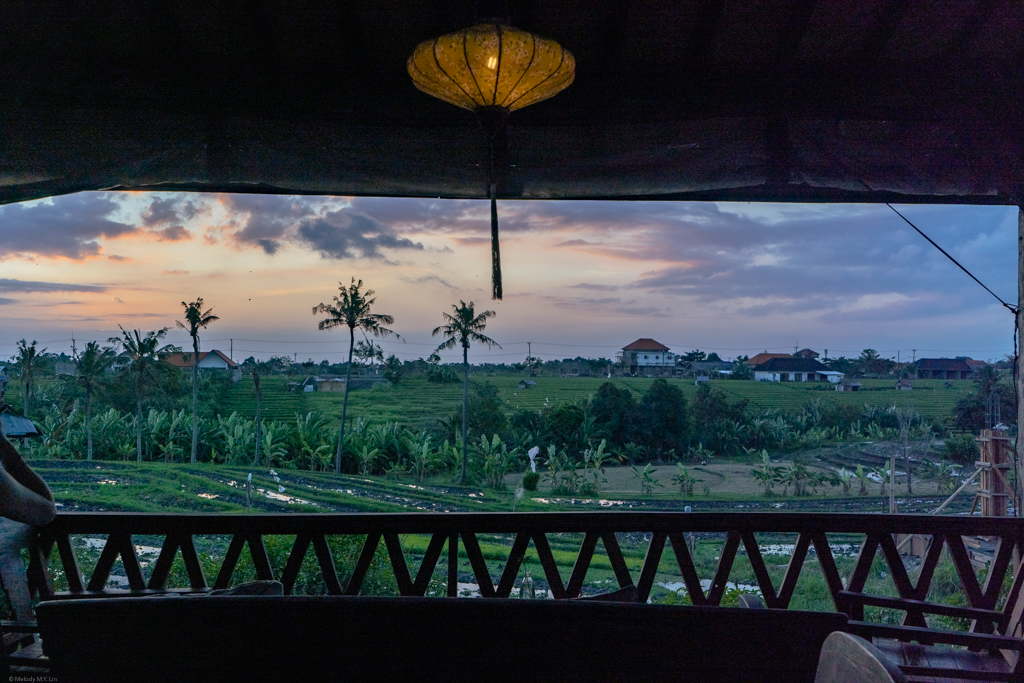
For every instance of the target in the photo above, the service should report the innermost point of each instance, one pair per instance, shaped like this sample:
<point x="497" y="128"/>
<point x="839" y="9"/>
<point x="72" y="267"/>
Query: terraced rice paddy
<point x="416" y="402"/>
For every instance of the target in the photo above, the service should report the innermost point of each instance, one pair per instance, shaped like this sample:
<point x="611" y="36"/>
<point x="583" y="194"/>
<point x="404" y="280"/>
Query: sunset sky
<point x="580" y="278"/>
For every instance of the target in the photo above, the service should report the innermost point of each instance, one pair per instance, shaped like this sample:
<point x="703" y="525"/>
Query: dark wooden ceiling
<point x="784" y="100"/>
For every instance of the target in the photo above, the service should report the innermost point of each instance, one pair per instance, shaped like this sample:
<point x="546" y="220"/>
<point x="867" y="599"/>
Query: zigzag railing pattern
<point x="454" y="529"/>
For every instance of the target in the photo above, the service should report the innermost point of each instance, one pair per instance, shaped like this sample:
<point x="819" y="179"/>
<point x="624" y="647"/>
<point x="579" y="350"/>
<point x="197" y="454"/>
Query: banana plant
<point x="684" y="480"/>
<point x="846" y="480"/>
<point x="594" y="460"/>
<point x="497" y="460"/>
<point x="394" y="470"/>
<point x="795" y="475"/>
<point x="766" y="473"/>
<point x="701" y="454"/>
<point x="272" y="443"/>
<point x="423" y="459"/>
<point x="862" y="477"/>
<point x="884" y="474"/>
<point x="311" y="437"/>
<point x="633" y="452"/>
<point x="646" y="478"/>
<point x="237" y="436"/>
<point x="166" y="444"/>
<point x="815" y="436"/>
<point x="367" y="460"/>
<point x="562" y="472"/>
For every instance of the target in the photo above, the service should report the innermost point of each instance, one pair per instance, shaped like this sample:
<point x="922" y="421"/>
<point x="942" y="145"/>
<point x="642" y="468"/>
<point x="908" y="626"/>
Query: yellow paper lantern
<point x="491" y="65"/>
<point x="492" y="69"/>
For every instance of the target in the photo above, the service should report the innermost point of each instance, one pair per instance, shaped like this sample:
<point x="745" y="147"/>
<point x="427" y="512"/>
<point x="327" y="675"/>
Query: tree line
<point x="572" y="439"/>
<point x="351" y="308"/>
<point x="480" y="440"/>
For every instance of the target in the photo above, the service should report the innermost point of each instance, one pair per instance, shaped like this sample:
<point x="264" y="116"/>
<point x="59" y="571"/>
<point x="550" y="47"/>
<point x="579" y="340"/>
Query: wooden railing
<point x="453" y="529"/>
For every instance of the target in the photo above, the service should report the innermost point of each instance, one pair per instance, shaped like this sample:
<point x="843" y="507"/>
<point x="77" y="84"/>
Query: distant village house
<point x="709" y="368"/>
<point x="976" y="365"/>
<point x="330" y="384"/>
<point x="943" y="368"/>
<point x="645" y="355"/>
<point x="789" y="369"/>
<point x="762" y="358"/>
<point x="120" y="362"/>
<point x="64" y="367"/>
<point x="208" y="360"/>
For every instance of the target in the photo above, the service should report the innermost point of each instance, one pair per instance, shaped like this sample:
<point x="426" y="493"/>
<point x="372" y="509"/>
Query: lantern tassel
<point x="495" y="250"/>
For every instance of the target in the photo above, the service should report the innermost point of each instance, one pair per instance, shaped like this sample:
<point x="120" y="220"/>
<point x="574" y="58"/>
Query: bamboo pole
<point x="943" y="506"/>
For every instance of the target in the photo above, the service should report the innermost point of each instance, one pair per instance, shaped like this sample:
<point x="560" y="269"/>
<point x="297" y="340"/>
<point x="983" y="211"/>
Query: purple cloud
<point x="68" y="226"/>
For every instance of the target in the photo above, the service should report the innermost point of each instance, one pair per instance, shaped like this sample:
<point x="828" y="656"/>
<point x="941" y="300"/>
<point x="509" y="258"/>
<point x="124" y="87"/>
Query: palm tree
<point x="195" y="319"/>
<point x="91" y="364"/>
<point x="462" y="328"/>
<point x="144" y="366"/>
<point x="351" y="309"/>
<point x="26" y="361"/>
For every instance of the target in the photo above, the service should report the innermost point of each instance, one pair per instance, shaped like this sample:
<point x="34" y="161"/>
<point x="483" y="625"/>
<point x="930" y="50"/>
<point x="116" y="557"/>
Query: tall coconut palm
<point x="464" y="327"/>
<point x="26" y="360"/>
<point x="90" y="366"/>
<point x="195" y="319"/>
<point x="145" y="365"/>
<point x="351" y="309"/>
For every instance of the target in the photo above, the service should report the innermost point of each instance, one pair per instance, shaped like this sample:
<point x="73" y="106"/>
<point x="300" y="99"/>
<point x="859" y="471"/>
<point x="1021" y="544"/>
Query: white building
<point x="647" y="354"/>
<point x="208" y="360"/>
<point x="795" y="370"/>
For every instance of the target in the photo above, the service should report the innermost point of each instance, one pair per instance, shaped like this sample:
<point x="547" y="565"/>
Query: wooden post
<point x="892" y="483"/>
<point x="1019" y="379"/>
<point x="993" y="464"/>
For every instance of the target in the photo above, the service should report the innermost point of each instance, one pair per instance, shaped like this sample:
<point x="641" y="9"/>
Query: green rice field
<point x="416" y="402"/>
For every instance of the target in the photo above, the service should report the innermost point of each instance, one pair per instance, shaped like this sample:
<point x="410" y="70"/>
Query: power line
<point x="1011" y="308"/>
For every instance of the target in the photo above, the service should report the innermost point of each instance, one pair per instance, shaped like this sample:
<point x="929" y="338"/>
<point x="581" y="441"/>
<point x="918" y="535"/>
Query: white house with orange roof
<point x="646" y="354"/>
<point x="208" y="360"/>
<point x="762" y="358"/>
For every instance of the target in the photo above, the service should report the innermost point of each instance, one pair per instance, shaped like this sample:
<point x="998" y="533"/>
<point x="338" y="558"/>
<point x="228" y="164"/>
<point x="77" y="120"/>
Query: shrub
<point x="962" y="449"/>
<point x="393" y="369"/>
<point x="530" y="481"/>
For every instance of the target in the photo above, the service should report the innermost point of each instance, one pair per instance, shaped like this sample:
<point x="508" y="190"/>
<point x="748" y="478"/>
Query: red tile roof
<point x="645" y="345"/>
<point x="765" y="357"/>
<point x="943" y="364"/>
<point x="179" y="359"/>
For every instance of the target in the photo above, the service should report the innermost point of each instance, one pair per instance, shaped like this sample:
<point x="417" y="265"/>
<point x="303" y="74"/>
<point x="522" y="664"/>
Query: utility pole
<point x="914" y="357"/>
<point x="231" y="353"/>
<point x="1019" y="379"/>
<point x="529" y="359"/>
